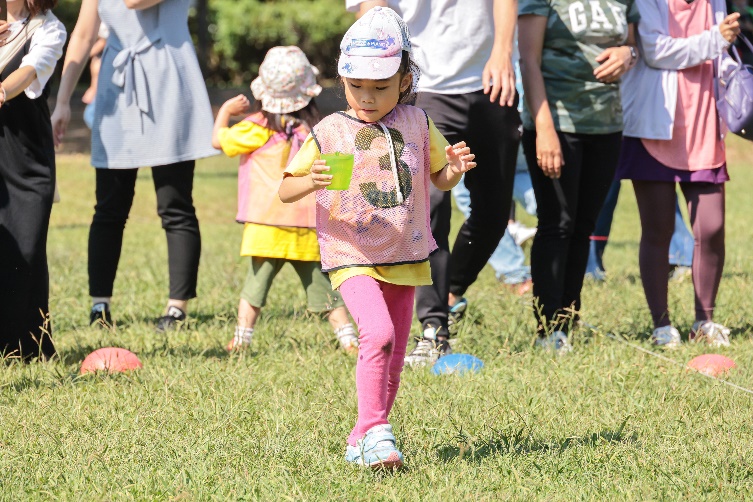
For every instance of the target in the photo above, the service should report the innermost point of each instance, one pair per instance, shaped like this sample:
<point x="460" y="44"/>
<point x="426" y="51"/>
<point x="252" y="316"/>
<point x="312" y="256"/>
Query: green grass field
<point x="605" y="422"/>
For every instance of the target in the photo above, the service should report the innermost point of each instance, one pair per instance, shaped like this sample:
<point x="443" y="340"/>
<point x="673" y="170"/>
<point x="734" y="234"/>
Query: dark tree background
<point x="232" y="36"/>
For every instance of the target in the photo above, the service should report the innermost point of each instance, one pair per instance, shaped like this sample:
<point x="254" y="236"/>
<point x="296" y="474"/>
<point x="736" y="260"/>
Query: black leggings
<point x="567" y="210"/>
<point x="115" y="189"/>
<point x="492" y="132"/>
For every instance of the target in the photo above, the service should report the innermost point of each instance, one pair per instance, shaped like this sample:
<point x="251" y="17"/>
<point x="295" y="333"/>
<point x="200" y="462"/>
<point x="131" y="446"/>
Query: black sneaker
<point x="100" y="315"/>
<point x="174" y="319"/>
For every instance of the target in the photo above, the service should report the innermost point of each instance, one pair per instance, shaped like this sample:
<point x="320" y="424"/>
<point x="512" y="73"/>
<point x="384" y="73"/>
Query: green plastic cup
<point x="341" y="169"/>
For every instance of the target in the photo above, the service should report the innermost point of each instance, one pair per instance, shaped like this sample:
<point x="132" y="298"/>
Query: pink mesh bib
<point x="259" y="179"/>
<point x="367" y="224"/>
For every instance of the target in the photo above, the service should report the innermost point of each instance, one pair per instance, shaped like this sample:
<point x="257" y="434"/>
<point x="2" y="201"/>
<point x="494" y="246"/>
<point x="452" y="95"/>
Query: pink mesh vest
<point x="367" y="225"/>
<point x="259" y="179"/>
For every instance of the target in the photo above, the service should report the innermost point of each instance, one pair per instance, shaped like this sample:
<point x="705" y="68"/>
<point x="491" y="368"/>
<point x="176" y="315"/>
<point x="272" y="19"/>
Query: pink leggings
<point x="383" y="313"/>
<point x="656" y="202"/>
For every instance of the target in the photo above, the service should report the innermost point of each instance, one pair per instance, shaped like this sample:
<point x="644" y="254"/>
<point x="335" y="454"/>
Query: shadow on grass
<point x="520" y="443"/>
<point x="195" y="319"/>
<point x="70" y="226"/>
<point x="188" y="351"/>
<point x="75" y="355"/>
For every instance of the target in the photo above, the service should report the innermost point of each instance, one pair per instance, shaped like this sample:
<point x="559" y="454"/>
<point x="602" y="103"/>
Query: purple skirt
<point x="637" y="164"/>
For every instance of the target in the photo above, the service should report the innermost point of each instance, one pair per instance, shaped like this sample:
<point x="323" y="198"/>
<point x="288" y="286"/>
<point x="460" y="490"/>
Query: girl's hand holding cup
<point x="460" y="158"/>
<point x="319" y="175"/>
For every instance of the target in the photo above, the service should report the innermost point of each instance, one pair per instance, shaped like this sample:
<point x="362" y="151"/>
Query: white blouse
<point x="46" y="48"/>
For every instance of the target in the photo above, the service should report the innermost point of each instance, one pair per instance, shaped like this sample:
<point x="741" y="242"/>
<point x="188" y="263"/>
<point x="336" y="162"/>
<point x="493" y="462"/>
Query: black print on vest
<point x="377" y="198"/>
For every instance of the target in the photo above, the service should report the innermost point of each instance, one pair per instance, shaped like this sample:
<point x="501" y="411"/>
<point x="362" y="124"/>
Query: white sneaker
<point x="520" y="233"/>
<point x="428" y="349"/>
<point x="712" y="333"/>
<point x="666" y="336"/>
<point x="347" y="337"/>
<point x="557" y="342"/>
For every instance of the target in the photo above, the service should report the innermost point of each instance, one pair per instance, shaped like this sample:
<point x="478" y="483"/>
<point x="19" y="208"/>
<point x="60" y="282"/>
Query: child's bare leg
<point x="344" y="331"/>
<point x="247" y="314"/>
<point x="338" y="317"/>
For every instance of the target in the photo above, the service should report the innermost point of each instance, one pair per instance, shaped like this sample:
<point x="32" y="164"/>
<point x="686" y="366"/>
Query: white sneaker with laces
<point x="712" y="333"/>
<point x="520" y="233"/>
<point x="428" y="349"/>
<point x="666" y="336"/>
<point x="557" y="342"/>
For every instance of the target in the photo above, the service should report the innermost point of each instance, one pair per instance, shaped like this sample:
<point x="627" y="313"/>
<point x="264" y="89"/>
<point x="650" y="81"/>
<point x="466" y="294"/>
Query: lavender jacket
<point x="649" y="91"/>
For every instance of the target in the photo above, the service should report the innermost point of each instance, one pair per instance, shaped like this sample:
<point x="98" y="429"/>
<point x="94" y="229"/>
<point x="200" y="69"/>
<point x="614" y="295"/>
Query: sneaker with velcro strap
<point x="376" y="449"/>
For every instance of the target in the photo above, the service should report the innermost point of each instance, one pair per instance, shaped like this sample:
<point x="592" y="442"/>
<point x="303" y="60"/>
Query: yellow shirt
<point x="243" y="137"/>
<point x="412" y="274"/>
<point x="290" y="243"/>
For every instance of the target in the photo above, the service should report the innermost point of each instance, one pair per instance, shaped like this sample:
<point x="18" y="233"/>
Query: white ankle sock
<point x="347" y="336"/>
<point x="242" y="336"/>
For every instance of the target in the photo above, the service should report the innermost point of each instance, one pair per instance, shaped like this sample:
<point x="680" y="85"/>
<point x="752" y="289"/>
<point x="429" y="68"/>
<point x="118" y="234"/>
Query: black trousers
<point x="493" y="134"/>
<point x="567" y="211"/>
<point x="115" y="189"/>
<point x="26" y="191"/>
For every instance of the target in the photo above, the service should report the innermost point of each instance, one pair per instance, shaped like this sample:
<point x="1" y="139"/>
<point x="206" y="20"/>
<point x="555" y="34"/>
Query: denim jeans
<point x="508" y="260"/>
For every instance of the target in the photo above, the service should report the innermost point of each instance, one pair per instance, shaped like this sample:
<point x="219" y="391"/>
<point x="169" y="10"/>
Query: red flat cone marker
<point x="711" y="364"/>
<point x="111" y="360"/>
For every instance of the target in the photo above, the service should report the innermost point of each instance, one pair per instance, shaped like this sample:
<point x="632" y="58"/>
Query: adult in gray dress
<point x="152" y="110"/>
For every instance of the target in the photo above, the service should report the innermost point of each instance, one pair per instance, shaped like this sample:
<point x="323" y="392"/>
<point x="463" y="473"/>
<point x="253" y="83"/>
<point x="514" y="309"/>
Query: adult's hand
<point x="499" y="78"/>
<point x="4" y="32"/>
<point x="60" y="119"/>
<point x="615" y="61"/>
<point x="549" y="153"/>
<point x="730" y="27"/>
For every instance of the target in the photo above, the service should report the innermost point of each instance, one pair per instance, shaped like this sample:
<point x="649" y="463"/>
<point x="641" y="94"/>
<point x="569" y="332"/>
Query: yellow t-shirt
<point x="290" y="243"/>
<point x="412" y="274"/>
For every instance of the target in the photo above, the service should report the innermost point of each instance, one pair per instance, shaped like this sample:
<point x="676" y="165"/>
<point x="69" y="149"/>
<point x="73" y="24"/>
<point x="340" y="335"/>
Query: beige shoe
<point x="712" y="333"/>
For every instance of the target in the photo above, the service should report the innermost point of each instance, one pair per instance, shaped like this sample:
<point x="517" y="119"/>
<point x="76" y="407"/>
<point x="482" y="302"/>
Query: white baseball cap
<point x="373" y="47"/>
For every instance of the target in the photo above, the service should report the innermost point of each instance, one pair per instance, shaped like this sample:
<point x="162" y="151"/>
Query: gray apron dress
<point x="152" y="107"/>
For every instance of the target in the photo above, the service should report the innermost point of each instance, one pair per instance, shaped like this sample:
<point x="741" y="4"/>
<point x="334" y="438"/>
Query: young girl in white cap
<point x="275" y="233"/>
<point x="375" y="236"/>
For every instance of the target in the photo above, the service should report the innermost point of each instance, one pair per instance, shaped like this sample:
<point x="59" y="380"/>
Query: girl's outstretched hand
<point x="238" y="105"/>
<point x="460" y="158"/>
<point x="319" y="175"/>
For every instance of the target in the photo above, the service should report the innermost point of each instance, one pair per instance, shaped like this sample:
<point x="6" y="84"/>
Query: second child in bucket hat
<point x="286" y="81"/>
<point x="275" y="233"/>
<point x="374" y="234"/>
